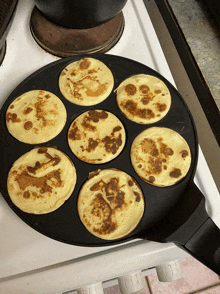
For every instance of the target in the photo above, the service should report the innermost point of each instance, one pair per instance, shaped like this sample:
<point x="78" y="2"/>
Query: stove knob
<point x="169" y="271"/>
<point x="91" y="289"/>
<point x="131" y="283"/>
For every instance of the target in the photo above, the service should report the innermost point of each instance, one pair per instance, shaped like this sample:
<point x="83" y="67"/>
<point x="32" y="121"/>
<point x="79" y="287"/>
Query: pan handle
<point x="200" y="236"/>
<point x="204" y="245"/>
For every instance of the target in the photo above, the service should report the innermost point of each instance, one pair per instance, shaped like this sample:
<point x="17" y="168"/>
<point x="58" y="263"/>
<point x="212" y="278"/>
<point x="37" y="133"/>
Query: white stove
<point x="33" y="263"/>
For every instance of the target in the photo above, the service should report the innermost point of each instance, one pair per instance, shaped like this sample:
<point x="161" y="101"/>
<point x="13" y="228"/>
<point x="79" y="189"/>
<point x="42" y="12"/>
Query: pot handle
<point x="204" y="245"/>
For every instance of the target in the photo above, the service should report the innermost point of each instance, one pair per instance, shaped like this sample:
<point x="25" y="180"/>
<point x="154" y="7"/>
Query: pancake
<point x="41" y="180"/>
<point x="96" y="136"/>
<point x="36" y="117"/>
<point x="110" y="204"/>
<point x="86" y="82"/>
<point x="143" y="99"/>
<point x="160" y="156"/>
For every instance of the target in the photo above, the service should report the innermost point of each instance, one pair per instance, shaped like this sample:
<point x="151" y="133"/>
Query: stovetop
<point x="25" y="253"/>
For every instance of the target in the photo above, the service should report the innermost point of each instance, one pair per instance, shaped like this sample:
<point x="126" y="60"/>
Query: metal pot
<point x="7" y="8"/>
<point x="80" y="14"/>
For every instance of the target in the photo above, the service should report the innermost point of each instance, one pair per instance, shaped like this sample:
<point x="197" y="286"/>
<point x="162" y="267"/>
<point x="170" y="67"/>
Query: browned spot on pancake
<point x="130" y="89"/>
<point x="155" y="165"/>
<point x="94" y="173"/>
<point x="27" y="110"/>
<point x="138" y="196"/>
<point x="95" y="115"/>
<point x="110" y="198"/>
<point x="52" y="161"/>
<point x="149" y="146"/>
<point x="111" y="189"/>
<point x="112" y="144"/>
<point x="13" y="117"/>
<point x="130" y="183"/>
<point x="108" y="226"/>
<point x="144" y="89"/>
<point x="63" y="73"/>
<point x="96" y="93"/>
<point x="151" y="179"/>
<point x="25" y="180"/>
<point x="47" y="96"/>
<point x="169" y="151"/>
<point x="28" y="125"/>
<point x="156" y="159"/>
<point x="41" y="111"/>
<point x="116" y="129"/>
<point x="36" y="131"/>
<point x="42" y="150"/>
<point x="157" y="91"/>
<point x="86" y="84"/>
<point x="74" y="133"/>
<point x="148" y="95"/>
<point x="91" y="71"/>
<point x="184" y="153"/>
<point x="27" y="194"/>
<point x="145" y="100"/>
<point x="164" y="149"/>
<point x="161" y="106"/>
<point x="92" y="145"/>
<point x="175" y="173"/>
<point x="84" y="64"/>
<point x="87" y="125"/>
<point x="12" y="106"/>
<point x="132" y="108"/>
<point x="98" y="186"/>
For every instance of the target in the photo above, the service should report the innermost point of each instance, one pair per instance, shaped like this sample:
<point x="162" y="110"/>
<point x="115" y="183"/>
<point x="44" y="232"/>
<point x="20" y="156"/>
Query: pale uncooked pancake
<point x="160" y="156"/>
<point x="110" y="204"/>
<point x="36" y="117"/>
<point x="96" y="136"/>
<point x="41" y="180"/>
<point x="87" y="81"/>
<point x="144" y="99"/>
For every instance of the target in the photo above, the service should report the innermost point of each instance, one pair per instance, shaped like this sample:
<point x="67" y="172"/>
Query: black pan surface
<point x="64" y="224"/>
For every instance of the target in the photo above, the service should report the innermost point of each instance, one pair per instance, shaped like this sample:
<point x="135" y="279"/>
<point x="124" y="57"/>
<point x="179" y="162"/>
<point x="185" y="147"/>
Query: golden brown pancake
<point x="144" y="99"/>
<point x="96" y="136"/>
<point x="110" y="204"/>
<point x="160" y="156"/>
<point x="87" y="81"/>
<point x="41" y="180"/>
<point x="36" y="117"/>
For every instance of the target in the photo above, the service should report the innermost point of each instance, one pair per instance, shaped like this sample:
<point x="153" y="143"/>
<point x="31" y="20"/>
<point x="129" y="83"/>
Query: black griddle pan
<point x="172" y="214"/>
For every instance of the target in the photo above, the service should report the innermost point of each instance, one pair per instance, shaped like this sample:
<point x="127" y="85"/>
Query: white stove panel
<point x="24" y="250"/>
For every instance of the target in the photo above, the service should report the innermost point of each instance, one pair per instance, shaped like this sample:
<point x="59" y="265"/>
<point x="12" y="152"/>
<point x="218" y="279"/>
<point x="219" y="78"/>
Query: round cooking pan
<point x="175" y="213"/>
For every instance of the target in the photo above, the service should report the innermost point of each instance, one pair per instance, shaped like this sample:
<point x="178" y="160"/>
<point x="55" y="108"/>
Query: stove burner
<point x="64" y="42"/>
<point x="2" y="53"/>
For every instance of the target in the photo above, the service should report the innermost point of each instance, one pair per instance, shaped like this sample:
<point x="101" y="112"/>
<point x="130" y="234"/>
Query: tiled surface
<point x="115" y="290"/>
<point x="196" y="279"/>
<point x="203" y="37"/>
